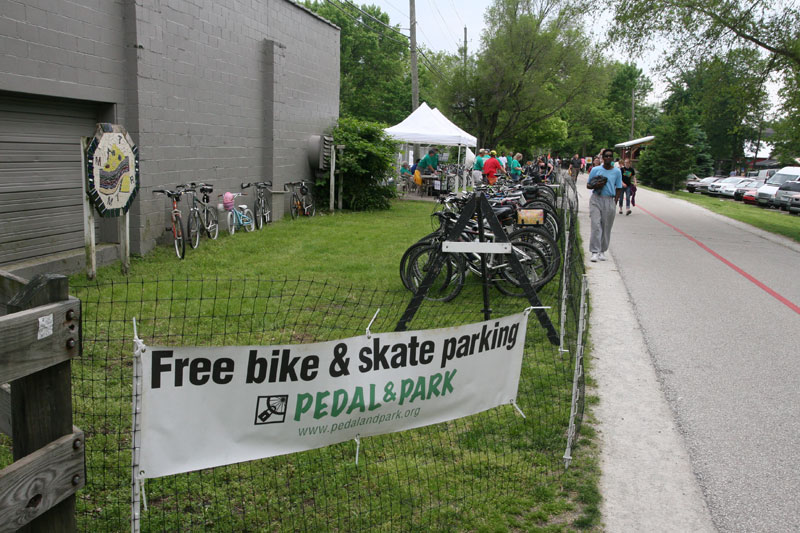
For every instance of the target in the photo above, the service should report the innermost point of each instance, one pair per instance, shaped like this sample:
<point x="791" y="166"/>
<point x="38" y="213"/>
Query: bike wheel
<point x="259" y="213"/>
<point x="248" y="220"/>
<point x="542" y="240"/>
<point x="193" y="227"/>
<point x="211" y="223"/>
<point x="309" y="209"/>
<point x="447" y="284"/>
<point x="267" y="209"/>
<point x="534" y="266"/>
<point x="177" y="236"/>
<point x="231" y="222"/>
<point x="295" y="207"/>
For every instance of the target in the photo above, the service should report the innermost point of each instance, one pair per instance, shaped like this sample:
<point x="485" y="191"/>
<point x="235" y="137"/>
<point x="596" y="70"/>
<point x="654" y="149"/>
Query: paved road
<point x="716" y="320"/>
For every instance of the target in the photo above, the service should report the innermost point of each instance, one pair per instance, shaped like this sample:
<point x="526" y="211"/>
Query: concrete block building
<point x="220" y="91"/>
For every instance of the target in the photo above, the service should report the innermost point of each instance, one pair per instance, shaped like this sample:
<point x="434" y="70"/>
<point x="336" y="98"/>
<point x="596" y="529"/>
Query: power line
<point x="444" y="22"/>
<point x="426" y="61"/>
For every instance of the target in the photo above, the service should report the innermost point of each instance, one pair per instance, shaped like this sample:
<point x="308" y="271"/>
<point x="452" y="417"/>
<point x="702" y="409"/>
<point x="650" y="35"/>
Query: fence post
<point x="41" y="405"/>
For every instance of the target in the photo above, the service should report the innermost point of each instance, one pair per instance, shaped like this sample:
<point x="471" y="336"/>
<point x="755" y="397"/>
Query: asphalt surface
<point x="696" y="332"/>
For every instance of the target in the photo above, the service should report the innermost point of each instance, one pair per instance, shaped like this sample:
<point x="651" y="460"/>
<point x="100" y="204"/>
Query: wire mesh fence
<point x="429" y="478"/>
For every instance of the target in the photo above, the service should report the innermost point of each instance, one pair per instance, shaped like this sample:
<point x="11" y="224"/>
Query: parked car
<point x="766" y="173"/>
<point x="786" y="191"/>
<point x="698" y="186"/>
<point x="766" y="193"/>
<point x="751" y="187"/>
<point x="729" y="189"/>
<point x="794" y="204"/>
<point x="714" y="188"/>
<point x="691" y="183"/>
<point x="750" y="197"/>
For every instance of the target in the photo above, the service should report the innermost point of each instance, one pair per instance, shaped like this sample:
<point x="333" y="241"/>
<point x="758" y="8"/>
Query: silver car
<point x="728" y="183"/>
<point x="785" y="193"/>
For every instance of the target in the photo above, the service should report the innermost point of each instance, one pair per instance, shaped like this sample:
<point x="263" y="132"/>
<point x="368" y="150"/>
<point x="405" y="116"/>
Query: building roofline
<point x="315" y="15"/>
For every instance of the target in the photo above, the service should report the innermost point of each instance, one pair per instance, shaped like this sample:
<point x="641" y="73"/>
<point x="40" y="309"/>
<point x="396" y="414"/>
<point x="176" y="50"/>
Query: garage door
<point x="40" y="174"/>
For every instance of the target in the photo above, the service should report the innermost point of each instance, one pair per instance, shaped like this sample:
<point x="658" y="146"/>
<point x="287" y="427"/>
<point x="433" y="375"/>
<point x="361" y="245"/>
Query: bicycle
<point x="177" y="221"/>
<point x="263" y="204"/>
<point x="202" y="216"/>
<point x="301" y="203"/>
<point x="238" y="215"/>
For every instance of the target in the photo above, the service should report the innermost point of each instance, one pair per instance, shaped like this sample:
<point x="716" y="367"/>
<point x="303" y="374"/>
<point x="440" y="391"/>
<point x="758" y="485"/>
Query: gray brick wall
<point x="71" y="49"/>
<point x="222" y="91"/>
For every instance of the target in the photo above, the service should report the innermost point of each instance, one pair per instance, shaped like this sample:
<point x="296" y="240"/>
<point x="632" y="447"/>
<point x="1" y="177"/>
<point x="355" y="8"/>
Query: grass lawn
<point x="770" y="220"/>
<point x="494" y="471"/>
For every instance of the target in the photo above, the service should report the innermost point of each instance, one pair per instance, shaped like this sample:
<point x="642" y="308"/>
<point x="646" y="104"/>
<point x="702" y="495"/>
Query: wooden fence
<point x="39" y="335"/>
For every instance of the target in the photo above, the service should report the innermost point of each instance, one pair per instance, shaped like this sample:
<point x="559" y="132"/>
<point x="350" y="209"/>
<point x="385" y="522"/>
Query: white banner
<point x="205" y="407"/>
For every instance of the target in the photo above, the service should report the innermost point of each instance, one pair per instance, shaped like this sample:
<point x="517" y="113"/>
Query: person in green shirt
<point x="429" y="163"/>
<point x="406" y="177"/>
<point x="516" y="167"/>
<point x="477" y="167"/>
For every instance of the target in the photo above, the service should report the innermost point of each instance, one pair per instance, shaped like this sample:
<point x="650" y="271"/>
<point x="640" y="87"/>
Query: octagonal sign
<point x="112" y="170"/>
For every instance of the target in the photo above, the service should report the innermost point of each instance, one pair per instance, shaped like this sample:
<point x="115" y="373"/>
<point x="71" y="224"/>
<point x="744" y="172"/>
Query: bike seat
<point x="503" y="211"/>
<point x="205" y="189"/>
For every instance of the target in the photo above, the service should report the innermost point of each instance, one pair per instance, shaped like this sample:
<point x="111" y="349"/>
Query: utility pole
<point x="633" y="109"/>
<point x="465" y="50"/>
<point x="412" y="13"/>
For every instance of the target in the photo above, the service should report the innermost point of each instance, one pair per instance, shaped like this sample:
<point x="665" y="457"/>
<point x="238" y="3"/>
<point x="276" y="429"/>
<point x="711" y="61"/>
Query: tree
<point x="787" y="128"/>
<point x="677" y="150"/>
<point x="533" y="64"/>
<point x="705" y="26"/>
<point x="373" y="63"/>
<point x="726" y="96"/>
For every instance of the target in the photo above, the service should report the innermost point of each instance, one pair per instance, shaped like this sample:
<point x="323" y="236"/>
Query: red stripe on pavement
<point x="784" y="301"/>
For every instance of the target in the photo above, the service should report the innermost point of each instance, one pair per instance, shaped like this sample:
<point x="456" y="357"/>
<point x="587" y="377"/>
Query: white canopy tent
<point x="430" y="127"/>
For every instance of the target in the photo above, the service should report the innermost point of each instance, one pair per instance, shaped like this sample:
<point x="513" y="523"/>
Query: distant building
<point x="221" y="91"/>
<point x="631" y="149"/>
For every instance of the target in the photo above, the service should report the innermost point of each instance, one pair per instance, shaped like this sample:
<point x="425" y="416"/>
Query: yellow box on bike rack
<point x="530" y="217"/>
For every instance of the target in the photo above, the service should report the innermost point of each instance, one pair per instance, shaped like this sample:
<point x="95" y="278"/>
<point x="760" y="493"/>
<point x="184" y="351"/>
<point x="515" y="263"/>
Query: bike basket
<point x="227" y="201"/>
<point x="530" y="217"/>
<point x="303" y="190"/>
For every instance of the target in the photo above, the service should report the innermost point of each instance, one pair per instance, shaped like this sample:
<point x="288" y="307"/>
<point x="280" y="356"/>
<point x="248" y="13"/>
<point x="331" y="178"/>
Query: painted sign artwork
<point x="112" y="165"/>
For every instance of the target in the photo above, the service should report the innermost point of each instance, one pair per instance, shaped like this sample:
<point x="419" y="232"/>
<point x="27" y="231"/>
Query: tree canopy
<point x="707" y="26"/>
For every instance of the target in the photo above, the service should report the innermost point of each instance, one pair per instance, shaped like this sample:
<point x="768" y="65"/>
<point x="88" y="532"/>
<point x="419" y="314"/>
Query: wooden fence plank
<point x="41" y="403"/>
<point x="38" y="338"/>
<point x="36" y="483"/>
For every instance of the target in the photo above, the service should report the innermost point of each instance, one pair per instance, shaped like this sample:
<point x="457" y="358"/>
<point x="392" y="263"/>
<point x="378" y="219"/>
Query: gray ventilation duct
<point x="319" y="152"/>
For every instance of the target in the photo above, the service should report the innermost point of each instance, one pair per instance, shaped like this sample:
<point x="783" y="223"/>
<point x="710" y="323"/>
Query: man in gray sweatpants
<point x="602" y="205"/>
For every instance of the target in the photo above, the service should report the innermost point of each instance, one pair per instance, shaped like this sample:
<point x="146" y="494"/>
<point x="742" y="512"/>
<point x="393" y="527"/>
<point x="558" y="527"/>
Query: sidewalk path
<point x="695" y="360"/>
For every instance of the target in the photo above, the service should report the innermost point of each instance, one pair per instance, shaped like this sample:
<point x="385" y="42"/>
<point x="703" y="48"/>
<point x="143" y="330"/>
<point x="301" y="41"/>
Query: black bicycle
<point x="203" y="215"/>
<point x="263" y="203"/>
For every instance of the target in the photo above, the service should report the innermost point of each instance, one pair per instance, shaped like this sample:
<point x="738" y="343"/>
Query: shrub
<point x="364" y="164"/>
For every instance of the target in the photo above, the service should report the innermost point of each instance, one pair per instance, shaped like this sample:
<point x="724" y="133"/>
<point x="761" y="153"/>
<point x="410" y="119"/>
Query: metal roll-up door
<point x="41" y="209"/>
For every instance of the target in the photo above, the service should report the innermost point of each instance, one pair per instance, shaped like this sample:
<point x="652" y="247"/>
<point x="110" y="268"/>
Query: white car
<point x="766" y="193"/>
<point x="715" y="188"/>
<point x="729" y="189"/>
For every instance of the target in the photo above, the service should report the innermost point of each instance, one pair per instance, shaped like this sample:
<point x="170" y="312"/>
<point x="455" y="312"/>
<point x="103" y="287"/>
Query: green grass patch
<point x="304" y="281"/>
<point x="771" y="220"/>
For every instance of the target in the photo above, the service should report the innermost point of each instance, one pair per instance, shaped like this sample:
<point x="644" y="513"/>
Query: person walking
<point x="477" y="167"/>
<point x="575" y="167"/>
<point x="601" y="205"/>
<point x="628" y="186"/>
